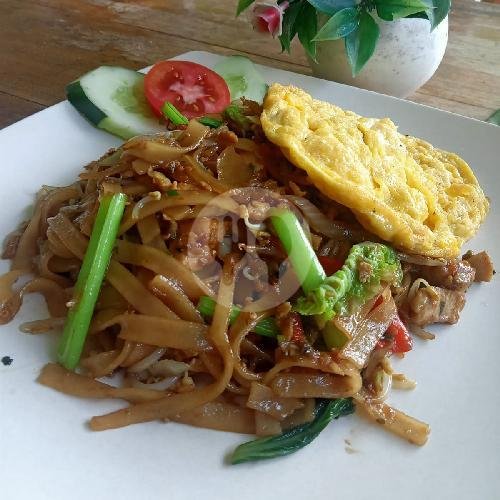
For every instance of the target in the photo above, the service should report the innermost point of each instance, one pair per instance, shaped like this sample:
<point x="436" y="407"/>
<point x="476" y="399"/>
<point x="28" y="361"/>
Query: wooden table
<point x="44" y="44"/>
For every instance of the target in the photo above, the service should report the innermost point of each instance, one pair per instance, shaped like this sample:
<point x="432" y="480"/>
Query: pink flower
<point x="267" y="17"/>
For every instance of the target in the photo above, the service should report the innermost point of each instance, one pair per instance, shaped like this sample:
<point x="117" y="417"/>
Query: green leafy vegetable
<point x="266" y="327"/>
<point x="173" y="114"/>
<point x="290" y="25"/>
<point x="172" y="192"/>
<point x="234" y="113"/>
<point x="437" y="11"/>
<point x="243" y="5"/>
<point x="494" y="118"/>
<point x="306" y="265"/>
<point x="88" y="285"/>
<point x="307" y="29"/>
<point x="296" y="438"/>
<point x="360" y="43"/>
<point x="342" y="23"/>
<point x="346" y="287"/>
<point x="210" y="122"/>
<point x="389" y="10"/>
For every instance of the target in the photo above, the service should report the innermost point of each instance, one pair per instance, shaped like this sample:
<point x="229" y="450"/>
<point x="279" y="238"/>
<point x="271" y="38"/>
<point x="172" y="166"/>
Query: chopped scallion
<point x="333" y="337"/>
<point x="266" y="327"/>
<point x="306" y="265"/>
<point x="92" y="272"/>
<point x="235" y="114"/>
<point x="210" y="122"/>
<point x="173" y="114"/>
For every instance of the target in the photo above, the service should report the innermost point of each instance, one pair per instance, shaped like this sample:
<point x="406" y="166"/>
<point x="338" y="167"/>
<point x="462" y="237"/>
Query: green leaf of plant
<point x="243" y="5"/>
<point x="494" y="118"/>
<point x="307" y="29"/>
<point x="438" y="11"/>
<point x="360" y="44"/>
<point x="342" y="23"/>
<point x="330" y="7"/>
<point x="389" y="10"/>
<point x="289" y="28"/>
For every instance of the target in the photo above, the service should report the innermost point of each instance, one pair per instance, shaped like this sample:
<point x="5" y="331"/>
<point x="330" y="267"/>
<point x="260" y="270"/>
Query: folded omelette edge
<point x="419" y="198"/>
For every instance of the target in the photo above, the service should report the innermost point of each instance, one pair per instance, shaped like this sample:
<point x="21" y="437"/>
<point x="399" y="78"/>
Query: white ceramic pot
<point x="406" y="56"/>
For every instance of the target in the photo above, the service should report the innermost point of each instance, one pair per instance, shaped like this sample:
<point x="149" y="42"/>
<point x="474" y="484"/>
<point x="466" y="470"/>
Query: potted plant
<point x="390" y="46"/>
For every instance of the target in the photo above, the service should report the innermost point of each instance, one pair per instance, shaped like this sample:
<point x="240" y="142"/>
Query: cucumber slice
<point x="112" y="99"/>
<point x="242" y="78"/>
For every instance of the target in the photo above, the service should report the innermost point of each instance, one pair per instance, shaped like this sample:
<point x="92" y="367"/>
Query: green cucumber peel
<point x="112" y="99"/>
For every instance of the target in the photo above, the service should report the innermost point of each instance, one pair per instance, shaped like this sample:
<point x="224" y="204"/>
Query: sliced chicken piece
<point x="482" y="264"/>
<point x="454" y="276"/>
<point x="435" y="305"/>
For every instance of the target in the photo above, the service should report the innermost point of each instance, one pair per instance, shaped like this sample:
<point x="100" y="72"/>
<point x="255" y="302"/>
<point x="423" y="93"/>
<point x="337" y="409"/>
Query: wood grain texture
<point x="44" y="44"/>
<point x="14" y="108"/>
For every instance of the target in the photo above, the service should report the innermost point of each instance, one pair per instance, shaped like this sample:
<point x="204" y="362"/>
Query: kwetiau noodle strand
<point x="197" y="225"/>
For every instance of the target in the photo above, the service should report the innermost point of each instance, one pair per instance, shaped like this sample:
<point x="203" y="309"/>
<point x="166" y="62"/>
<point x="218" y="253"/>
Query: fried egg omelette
<point x="419" y="198"/>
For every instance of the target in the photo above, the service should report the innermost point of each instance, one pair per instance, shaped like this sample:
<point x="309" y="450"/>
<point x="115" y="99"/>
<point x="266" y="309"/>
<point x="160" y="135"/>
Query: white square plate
<point x="47" y="452"/>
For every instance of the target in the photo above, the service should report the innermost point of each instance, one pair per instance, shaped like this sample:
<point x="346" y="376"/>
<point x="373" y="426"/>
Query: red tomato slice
<point x="192" y="88"/>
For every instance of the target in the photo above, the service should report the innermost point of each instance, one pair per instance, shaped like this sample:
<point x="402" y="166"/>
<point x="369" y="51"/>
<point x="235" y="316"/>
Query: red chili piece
<point x="402" y="341"/>
<point x="330" y="264"/>
<point x="298" y="336"/>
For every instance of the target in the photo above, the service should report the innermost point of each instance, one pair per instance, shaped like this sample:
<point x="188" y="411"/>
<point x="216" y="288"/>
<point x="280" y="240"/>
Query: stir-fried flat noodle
<point x="173" y="296"/>
<point x="395" y="421"/>
<point x="57" y="377"/>
<point x="178" y="403"/>
<point x="196" y="226"/>
<point x="161" y="264"/>
<point x="262" y="398"/>
<point x="369" y="331"/>
<point x="220" y="416"/>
